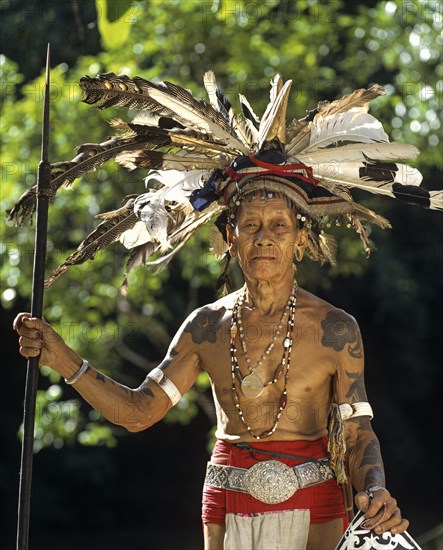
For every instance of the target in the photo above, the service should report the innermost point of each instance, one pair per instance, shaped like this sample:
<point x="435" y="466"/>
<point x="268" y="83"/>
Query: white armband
<point x="352" y="410"/>
<point x="159" y="377"/>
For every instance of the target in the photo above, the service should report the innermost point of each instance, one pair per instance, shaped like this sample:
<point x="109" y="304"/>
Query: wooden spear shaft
<point x="43" y="188"/>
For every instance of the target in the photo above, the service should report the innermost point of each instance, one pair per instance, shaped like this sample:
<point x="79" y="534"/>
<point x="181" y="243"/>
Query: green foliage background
<point x="328" y="49"/>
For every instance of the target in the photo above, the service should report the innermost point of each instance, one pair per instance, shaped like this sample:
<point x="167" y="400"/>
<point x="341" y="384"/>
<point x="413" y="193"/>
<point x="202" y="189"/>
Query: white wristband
<point x="81" y="371"/>
<point x="352" y="410"/>
<point x="171" y="390"/>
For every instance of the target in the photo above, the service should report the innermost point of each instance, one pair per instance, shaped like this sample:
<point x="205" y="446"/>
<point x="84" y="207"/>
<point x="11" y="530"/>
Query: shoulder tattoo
<point x="204" y="326"/>
<point x="340" y="331"/>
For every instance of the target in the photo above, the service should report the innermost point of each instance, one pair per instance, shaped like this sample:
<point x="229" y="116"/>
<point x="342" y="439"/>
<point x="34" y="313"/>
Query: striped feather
<point x="115" y="223"/>
<point x="412" y="194"/>
<point x="163" y="99"/>
<point x="138" y="257"/>
<point x="90" y="157"/>
<point x="368" y="174"/>
<point x="221" y="103"/>
<point x="154" y="160"/>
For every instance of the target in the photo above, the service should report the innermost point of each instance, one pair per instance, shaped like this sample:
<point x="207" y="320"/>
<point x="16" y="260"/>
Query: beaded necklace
<point x="285" y="364"/>
<point x="252" y="385"/>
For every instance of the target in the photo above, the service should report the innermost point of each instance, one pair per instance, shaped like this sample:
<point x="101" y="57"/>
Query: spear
<point x="43" y="188"/>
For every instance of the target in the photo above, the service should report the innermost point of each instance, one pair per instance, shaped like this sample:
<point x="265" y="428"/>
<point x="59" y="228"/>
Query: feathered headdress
<point x="203" y="158"/>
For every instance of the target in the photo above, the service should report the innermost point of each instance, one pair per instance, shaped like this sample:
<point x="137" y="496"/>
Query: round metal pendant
<point x="270" y="481"/>
<point x="252" y="386"/>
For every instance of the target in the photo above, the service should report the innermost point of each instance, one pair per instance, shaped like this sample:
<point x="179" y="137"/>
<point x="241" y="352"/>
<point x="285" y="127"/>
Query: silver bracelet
<point x="81" y="371"/>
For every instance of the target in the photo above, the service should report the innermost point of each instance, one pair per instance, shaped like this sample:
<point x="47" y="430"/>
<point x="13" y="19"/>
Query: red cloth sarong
<point x="325" y="500"/>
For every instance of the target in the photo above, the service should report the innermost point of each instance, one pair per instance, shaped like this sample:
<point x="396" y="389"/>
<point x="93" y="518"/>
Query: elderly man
<point x="286" y="368"/>
<point x="277" y="357"/>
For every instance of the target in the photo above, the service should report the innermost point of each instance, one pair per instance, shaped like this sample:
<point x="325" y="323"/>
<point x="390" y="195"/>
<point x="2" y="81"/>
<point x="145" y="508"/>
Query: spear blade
<point x="43" y="189"/>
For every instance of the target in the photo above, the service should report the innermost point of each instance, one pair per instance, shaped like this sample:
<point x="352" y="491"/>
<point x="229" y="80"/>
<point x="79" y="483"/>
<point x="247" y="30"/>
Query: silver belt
<point x="269" y="481"/>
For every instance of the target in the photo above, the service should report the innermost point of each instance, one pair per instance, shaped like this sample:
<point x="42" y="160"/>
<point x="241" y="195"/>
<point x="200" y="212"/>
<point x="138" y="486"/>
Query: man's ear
<point x="302" y="238"/>
<point x="300" y="244"/>
<point x="230" y="237"/>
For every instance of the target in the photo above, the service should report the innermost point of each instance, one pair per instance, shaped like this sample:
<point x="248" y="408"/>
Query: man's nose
<point x="263" y="237"/>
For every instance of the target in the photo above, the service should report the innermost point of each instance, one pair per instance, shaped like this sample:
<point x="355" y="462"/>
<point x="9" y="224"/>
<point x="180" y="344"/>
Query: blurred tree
<point x="328" y="49"/>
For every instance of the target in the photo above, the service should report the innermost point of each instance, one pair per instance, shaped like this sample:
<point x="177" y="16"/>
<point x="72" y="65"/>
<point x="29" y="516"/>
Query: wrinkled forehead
<point x="264" y="203"/>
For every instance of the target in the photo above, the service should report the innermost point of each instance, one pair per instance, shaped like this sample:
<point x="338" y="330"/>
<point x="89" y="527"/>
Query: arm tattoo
<point x="371" y="455"/>
<point x="102" y="378"/>
<point x="374" y="476"/>
<point x="172" y="353"/>
<point x="356" y="390"/>
<point x="146" y="390"/>
<point x="204" y="326"/>
<point x="339" y="331"/>
<point x="372" y="458"/>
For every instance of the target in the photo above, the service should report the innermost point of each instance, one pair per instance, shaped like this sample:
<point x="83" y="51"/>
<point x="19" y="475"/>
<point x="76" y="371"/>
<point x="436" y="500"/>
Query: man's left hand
<point x="381" y="512"/>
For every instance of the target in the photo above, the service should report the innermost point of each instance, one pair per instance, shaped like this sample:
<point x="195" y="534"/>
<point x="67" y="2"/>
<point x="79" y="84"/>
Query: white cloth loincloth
<point x="286" y="530"/>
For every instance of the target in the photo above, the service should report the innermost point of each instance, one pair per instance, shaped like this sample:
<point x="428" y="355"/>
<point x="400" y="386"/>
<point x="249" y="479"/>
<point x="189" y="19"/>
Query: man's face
<point x="265" y="238"/>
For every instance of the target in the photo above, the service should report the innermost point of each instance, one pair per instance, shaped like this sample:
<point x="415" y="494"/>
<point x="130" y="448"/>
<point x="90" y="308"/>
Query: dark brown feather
<point x="115" y="223"/>
<point x="154" y="160"/>
<point x="109" y="90"/>
<point x="90" y="157"/>
<point x="138" y="257"/>
<point x="164" y="99"/>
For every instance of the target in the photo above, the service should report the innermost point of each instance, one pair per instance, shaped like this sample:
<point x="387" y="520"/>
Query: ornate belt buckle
<point x="270" y="481"/>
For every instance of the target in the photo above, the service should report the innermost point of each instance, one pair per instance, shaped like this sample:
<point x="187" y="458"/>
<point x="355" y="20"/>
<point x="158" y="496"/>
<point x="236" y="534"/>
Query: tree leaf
<point x="114" y="22"/>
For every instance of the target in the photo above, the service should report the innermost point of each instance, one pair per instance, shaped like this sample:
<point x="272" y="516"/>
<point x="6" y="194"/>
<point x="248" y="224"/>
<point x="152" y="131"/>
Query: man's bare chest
<point x="311" y="365"/>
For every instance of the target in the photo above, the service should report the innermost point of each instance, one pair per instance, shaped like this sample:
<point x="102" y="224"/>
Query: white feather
<point x="150" y="208"/>
<point x="436" y="198"/>
<point x="276" y="87"/>
<point x="178" y="185"/>
<point x="273" y="109"/>
<point x="183" y="233"/>
<point x="145" y="118"/>
<point x="136" y="236"/>
<point x="238" y="125"/>
<point x="355" y="151"/>
<point x="252" y="128"/>
<point x="211" y="86"/>
<point x="350" y="172"/>
<point x="353" y="125"/>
